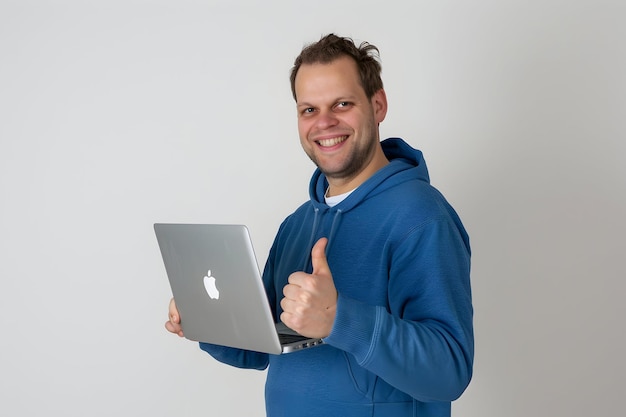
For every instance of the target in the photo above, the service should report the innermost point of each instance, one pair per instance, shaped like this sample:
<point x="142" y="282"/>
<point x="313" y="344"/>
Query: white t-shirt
<point x="336" y="199"/>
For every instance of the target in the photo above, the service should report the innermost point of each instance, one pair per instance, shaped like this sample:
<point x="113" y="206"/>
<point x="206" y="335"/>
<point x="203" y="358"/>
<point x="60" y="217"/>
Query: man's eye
<point x="343" y="104"/>
<point x="308" y="110"/>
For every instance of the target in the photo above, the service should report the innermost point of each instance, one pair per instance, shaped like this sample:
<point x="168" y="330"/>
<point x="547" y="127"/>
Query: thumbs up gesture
<point x="311" y="299"/>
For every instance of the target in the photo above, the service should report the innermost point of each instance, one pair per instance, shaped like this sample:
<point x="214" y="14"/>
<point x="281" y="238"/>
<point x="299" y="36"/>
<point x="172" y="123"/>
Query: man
<point x="377" y="263"/>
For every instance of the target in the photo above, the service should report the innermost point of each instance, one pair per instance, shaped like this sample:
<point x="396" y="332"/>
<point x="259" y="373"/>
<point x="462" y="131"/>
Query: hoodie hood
<point x="405" y="164"/>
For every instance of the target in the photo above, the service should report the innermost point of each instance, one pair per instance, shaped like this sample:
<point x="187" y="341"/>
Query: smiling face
<point x="338" y="124"/>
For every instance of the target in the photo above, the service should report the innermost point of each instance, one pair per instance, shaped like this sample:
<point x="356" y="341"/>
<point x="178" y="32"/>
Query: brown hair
<point x="332" y="47"/>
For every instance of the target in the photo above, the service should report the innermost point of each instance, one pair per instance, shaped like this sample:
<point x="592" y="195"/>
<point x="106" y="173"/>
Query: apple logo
<point x="211" y="288"/>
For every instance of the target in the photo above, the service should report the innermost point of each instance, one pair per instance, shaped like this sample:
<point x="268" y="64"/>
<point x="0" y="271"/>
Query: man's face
<point x="337" y="123"/>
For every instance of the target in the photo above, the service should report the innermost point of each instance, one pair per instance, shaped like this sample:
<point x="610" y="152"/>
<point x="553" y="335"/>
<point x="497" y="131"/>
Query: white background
<point x="118" y="114"/>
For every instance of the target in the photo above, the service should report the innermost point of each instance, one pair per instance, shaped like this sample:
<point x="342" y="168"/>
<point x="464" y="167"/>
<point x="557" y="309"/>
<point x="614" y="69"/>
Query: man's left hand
<point x="310" y="300"/>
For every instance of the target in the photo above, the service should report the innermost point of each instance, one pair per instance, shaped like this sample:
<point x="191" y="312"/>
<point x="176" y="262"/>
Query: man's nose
<point x="326" y="119"/>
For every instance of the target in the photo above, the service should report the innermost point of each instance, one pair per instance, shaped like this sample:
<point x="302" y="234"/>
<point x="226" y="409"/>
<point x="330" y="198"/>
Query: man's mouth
<point x="327" y="143"/>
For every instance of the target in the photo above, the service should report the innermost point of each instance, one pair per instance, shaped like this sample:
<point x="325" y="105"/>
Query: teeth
<point x="331" y="142"/>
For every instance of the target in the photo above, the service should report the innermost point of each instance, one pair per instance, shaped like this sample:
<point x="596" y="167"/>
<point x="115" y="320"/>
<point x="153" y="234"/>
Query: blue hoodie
<point x="402" y="342"/>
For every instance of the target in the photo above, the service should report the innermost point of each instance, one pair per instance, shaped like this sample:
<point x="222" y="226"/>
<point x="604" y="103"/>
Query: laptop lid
<point x="215" y="280"/>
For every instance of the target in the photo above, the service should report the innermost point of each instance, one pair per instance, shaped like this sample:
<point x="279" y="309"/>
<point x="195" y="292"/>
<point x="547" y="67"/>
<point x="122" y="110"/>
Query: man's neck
<point x="338" y="186"/>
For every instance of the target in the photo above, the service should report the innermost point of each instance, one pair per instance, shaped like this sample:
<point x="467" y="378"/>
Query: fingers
<point x="174" y="328"/>
<point x="173" y="311"/>
<point x="173" y="324"/>
<point x="310" y="322"/>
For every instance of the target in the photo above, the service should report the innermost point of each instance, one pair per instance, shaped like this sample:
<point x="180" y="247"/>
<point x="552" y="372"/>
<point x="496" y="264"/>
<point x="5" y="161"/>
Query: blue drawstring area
<point x="333" y="230"/>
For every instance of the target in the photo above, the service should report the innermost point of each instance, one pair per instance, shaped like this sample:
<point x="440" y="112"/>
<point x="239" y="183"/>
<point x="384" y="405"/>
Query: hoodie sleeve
<point x="422" y="342"/>
<point x="237" y="357"/>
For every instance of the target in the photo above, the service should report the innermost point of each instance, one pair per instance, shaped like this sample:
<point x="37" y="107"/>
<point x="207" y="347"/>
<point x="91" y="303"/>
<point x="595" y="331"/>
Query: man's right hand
<point x="173" y="324"/>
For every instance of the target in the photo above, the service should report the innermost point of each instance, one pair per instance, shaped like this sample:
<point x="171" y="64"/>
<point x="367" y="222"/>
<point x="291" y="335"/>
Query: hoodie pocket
<point x="362" y="380"/>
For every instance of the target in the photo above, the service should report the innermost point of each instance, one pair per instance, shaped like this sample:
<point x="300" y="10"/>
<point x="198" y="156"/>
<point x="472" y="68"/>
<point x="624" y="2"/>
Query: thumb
<point x="318" y="258"/>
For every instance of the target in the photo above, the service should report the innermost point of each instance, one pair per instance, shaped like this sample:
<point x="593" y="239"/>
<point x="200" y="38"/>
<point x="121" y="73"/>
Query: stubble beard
<point x="354" y="163"/>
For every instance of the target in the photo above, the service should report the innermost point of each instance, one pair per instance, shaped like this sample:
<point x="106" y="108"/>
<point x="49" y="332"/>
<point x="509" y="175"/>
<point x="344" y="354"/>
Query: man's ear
<point x="379" y="104"/>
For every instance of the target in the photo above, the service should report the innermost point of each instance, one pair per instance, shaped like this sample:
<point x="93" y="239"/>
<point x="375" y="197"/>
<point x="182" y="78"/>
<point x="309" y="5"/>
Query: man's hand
<point x="310" y="300"/>
<point x="173" y="324"/>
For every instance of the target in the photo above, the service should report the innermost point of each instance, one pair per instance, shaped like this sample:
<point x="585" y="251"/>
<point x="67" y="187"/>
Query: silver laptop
<point x="218" y="289"/>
